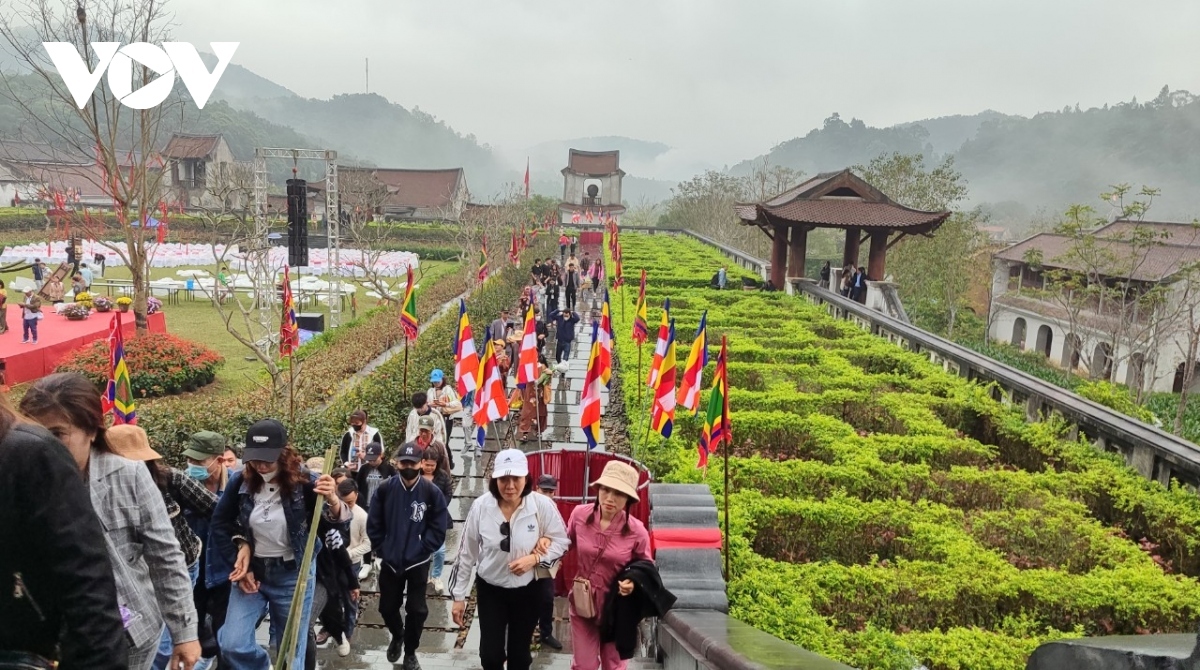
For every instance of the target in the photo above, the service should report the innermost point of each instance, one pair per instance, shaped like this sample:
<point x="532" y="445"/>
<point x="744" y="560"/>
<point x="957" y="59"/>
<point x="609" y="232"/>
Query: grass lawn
<point x="198" y="320"/>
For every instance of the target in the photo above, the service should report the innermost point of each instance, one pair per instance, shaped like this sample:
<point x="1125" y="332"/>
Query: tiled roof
<point x="191" y="146"/>
<point x="422" y="188"/>
<point x="594" y="162"/>
<point x="1185" y="234"/>
<point x="1157" y="261"/>
<point x="838" y="200"/>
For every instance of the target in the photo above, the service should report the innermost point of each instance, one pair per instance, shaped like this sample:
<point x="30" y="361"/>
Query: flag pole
<point x="406" y="366"/>
<point x="728" y="577"/>
<point x="292" y="393"/>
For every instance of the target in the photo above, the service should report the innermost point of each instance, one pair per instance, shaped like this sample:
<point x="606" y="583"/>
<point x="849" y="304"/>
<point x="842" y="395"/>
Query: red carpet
<point x="57" y="336"/>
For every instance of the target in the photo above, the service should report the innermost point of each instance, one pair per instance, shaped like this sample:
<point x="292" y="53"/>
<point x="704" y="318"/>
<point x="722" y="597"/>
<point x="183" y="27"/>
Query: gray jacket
<point x="152" y="581"/>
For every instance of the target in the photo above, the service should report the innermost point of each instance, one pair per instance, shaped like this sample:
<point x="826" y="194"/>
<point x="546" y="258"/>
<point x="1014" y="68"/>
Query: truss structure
<point x="264" y="275"/>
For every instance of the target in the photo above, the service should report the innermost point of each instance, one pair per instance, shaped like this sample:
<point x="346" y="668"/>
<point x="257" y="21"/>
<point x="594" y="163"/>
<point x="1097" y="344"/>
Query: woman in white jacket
<point x="500" y="543"/>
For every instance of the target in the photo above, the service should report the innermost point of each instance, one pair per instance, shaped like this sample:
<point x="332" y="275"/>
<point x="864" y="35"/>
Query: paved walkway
<point x="443" y="645"/>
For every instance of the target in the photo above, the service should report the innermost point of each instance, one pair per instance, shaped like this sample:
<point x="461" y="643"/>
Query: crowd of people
<point x="127" y="562"/>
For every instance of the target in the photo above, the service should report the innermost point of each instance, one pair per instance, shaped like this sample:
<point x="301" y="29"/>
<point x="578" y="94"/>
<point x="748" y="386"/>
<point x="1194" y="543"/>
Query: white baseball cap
<point x="510" y="463"/>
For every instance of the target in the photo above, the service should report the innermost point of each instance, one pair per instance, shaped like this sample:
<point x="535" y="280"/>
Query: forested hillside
<point x="1046" y="162"/>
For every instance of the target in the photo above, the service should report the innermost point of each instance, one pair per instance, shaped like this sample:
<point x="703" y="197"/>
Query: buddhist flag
<point x="118" y="397"/>
<point x="663" y="416"/>
<point x="618" y="278"/>
<point x="689" y="386"/>
<point x="575" y="217"/>
<point x="716" y="423"/>
<point x="289" y="332"/>
<point x="641" y="329"/>
<point x="528" y="357"/>
<point x="660" y="347"/>
<point x="466" y="359"/>
<point x="606" y="341"/>
<point x="514" y="250"/>
<point x="483" y="268"/>
<point x="490" y="403"/>
<point x="408" y="312"/>
<point x="589" y="419"/>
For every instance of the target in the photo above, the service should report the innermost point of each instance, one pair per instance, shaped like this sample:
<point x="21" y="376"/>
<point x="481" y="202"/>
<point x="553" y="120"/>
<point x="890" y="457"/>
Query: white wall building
<point x="1026" y="316"/>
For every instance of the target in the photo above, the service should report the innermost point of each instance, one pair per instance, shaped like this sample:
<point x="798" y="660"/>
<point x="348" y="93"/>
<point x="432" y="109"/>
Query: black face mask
<point x="408" y="472"/>
<point x="357" y="429"/>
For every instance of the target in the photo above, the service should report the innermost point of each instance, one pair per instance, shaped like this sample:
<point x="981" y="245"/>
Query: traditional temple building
<point x="838" y="200"/>
<point x="592" y="183"/>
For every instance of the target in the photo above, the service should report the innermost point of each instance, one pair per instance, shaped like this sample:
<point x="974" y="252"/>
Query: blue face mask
<point x="197" y="472"/>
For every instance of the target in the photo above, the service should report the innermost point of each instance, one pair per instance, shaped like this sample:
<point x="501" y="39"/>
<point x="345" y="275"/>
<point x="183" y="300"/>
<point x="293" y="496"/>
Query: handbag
<point x="581" y="591"/>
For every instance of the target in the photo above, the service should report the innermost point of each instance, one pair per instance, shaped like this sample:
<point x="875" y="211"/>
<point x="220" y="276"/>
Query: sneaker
<point x="552" y="642"/>
<point x="343" y="647"/>
<point x="439" y="587"/>
<point x="322" y="639"/>
<point x="364" y="571"/>
<point x="410" y="662"/>
<point x="394" y="649"/>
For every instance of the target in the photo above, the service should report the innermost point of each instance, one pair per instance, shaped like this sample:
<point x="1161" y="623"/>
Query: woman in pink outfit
<point x="606" y="539"/>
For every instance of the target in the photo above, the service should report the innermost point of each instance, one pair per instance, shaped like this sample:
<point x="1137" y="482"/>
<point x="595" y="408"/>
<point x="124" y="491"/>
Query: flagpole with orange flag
<point x="289" y="341"/>
<point x="662" y="416"/>
<point x="409" y="322"/>
<point x="641" y="330"/>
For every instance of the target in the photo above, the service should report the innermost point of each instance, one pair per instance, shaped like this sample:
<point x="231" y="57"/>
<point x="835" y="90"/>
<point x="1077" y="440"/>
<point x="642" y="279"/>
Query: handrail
<point x="1072" y="405"/>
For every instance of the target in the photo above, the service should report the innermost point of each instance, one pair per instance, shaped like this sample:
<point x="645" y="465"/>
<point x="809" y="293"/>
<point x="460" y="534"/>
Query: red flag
<point x="526" y="177"/>
<point x="289" y="332"/>
<point x="162" y="232"/>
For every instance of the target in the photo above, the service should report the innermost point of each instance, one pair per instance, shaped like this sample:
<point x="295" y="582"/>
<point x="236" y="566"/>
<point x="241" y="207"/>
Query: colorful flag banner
<point x="641" y="328"/>
<point x="408" y="312"/>
<point x="606" y="341"/>
<point x="490" y="401"/>
<point x="693" y="371"/>
<point x="660" y="347"/>
<point x="527" y="359"/>
<point x="466" y="359"/>
<point x="118" y="397"/>
<point x="663" y="416"/>
<point x="289" y="332"/>
<point x="589" y="419"/>
<point x="717" y="428"/>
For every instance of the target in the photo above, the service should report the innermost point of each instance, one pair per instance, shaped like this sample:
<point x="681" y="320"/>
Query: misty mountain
<point x="1032" y="166"/>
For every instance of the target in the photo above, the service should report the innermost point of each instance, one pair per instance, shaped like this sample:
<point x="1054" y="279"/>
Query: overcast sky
<point x="720" y="79"/>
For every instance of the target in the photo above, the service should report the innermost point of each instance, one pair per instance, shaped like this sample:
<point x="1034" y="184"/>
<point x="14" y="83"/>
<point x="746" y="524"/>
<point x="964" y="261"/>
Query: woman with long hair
<point x="435" y="469"/>
<point x="500" y="543"/>
<point x="261" y="527"/>
<point x="179" y="493"/>
<point x="153" y="586"/>
<point x="605" y="539"/>
<point x="59" y="586"/>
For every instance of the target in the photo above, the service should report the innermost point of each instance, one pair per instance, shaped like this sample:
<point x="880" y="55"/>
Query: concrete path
<point x="443" y="645"/>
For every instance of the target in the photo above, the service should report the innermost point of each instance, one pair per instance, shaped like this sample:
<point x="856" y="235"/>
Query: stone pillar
<point x="850" y="252"/>
<point x="779" y="256"/>
<point x="796" y="252"/>
<point x="877" y="260"/>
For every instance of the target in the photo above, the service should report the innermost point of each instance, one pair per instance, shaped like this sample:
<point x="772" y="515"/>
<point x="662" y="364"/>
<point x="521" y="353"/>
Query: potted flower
<point x="76" y="312"/>
<point x="84" y="298"/>
<point x="124" y="303"/>
<point x="153" y="305"/>
<point x="102" y="303"/>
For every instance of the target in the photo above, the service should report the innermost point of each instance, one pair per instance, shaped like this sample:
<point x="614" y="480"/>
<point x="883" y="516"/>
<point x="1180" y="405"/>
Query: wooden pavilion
<point x="834" y="200"/>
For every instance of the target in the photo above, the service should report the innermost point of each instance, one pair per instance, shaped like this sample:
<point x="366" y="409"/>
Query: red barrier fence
<point x="576" y="470"/>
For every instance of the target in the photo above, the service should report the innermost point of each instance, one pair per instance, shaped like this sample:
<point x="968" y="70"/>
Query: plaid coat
<point x="152" y="580"/>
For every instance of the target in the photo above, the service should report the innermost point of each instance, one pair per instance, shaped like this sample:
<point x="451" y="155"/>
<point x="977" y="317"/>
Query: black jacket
<point x="622" y="614"/>
<point x="386" y="472"/>
<point x="407" y="526"/>
<point x="564" y="329"/>
<point x="56" y="546"/>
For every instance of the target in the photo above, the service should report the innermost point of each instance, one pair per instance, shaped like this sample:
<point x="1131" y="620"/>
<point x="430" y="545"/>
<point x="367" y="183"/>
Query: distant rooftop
<point x="596" y="163"/>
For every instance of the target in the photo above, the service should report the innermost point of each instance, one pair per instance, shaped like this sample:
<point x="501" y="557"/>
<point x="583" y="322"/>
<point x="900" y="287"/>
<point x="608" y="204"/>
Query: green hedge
<point x="888" y="514"/>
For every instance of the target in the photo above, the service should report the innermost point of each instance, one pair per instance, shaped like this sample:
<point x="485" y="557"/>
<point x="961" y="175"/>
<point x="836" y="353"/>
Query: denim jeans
<point x="166" y="646"/>
<point x="276" y="584"/>
<point x="29" y="326"/>
<point x="439" y="562"/>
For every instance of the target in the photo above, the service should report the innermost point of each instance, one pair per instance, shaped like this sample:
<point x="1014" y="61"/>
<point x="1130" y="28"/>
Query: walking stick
<point x="296" y="614"/>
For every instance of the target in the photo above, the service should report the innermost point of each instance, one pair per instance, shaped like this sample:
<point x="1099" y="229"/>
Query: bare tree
<point x="122" y="142"/>
<point x="363" y="198"/>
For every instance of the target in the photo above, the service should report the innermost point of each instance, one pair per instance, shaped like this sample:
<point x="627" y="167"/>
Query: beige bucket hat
<point x="619" y="476"/>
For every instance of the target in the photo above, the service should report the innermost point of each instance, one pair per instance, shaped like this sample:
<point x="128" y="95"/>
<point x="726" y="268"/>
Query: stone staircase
<point x="443" y="644"/>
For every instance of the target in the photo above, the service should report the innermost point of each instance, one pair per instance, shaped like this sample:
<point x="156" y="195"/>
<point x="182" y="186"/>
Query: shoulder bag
<point x="581" y="591"/>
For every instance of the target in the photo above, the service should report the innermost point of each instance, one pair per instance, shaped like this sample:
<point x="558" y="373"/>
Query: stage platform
<point x="57" y="336"/>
